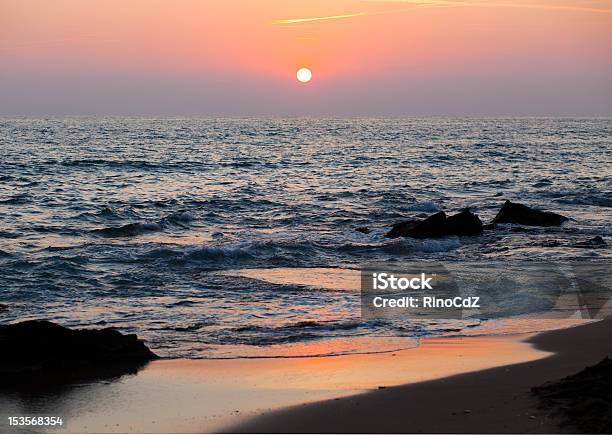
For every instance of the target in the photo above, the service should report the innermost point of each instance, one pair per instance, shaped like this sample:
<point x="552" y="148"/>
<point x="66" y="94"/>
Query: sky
<point x="368" y="57"/>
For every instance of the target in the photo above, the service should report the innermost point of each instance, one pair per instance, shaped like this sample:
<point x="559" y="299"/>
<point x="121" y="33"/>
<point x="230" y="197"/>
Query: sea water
<point x="138" y="223"/>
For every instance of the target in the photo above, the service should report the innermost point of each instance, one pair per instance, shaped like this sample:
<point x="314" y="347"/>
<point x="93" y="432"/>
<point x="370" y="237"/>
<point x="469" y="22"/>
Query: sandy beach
<point x="467" y="384"/>
<point x="209" y="395"/>
<point x="488" y="401"/>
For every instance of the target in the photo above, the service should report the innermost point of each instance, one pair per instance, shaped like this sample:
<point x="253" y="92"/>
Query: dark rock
<point x="364" y="230"/>
<point x="595" y="242"/>
<point x="401" y="229"/>
<point x="430" y="227"/>
<point x="465" y="223"/>
<point x="39" y="347"/>
<point x="514" y="213"/>
<point x="583" y="400"/>
<point x="489" y="227"/>
<point x="128" y="230"/>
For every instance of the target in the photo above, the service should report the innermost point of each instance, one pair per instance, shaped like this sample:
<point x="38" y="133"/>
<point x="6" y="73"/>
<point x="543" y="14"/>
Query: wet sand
<point x="416" y="389"/>
<point x="213" y="395"/>
<point x="487" y="401"/>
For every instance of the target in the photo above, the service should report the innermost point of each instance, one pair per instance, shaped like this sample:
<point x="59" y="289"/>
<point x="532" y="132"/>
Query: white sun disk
<point x="304" y="75"/>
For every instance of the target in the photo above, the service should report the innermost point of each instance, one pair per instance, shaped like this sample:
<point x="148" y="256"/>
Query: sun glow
<point x="304" y="75"/>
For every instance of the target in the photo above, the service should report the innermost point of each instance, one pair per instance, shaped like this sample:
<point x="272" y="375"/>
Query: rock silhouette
<point x="515" y="213"/>
<point x="595" y="242"/>
<point x="465" y="223"/>
<point x="584" y="400"/>
<point x="39" y="347"/>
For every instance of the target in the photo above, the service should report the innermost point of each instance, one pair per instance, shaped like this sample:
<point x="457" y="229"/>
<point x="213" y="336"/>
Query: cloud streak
<point x="448" y="3"/>
<point x="311" y="19"/>
<point x="494" y="4"/>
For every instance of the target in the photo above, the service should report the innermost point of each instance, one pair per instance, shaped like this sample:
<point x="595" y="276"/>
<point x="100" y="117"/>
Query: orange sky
<point x="349" y="44"/>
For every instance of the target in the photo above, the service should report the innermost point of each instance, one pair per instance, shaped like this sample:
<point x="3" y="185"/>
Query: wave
<point x="600" y="231"/>
<point x="405" y="246"/>
<point x="305" y="325"/>
<point x="151" y="166"/>
<point x="180" y="218"/>
<point x="8" y="235"/>
<point x="544" y="182"/>
<point x="433" y="245"/>
<point x="187" y="328"/>
<point x="256" y="335"/>
<point x="279" y="253"/>
<point x="214" y="253"/>
<point x="128" y="230"/>
<point x="244" y="250"/>
<point x="603" y="199"/>
<point x="105" y="212"/>
<point x="139" y="164"/>
<point x="182" y="303"/>
<point x="428" y="206"/>
<point x="21" y="198"/>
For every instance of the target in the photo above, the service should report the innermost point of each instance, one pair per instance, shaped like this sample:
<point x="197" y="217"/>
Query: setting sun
<point x="304" y="75"/>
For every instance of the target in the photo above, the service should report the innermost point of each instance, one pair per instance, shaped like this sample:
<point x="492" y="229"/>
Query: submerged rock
<point x="38" y="347"/>
<point x="465" y="223"/>
<point x="584" y="400"/>
<point x="595" y="242"/>
<point x="363" y="230"/>
<point x="401" y="229"/>
<point x="514" y="213"/>
<point x="128" y="230"/>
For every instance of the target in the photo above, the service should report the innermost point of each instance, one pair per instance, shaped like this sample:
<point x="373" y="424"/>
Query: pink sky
<point x="368" y="57"/>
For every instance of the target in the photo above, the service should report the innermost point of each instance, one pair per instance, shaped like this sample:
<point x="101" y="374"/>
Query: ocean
<point x="147" y="225"/>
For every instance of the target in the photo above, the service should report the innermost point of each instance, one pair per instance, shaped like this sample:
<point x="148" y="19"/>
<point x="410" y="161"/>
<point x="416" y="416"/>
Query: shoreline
<point x="193" y="396"/>
<point x="446" y="384"/>
<point x="494" y="400"/>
